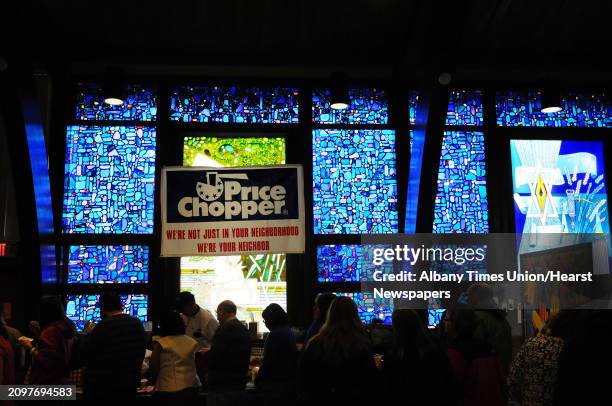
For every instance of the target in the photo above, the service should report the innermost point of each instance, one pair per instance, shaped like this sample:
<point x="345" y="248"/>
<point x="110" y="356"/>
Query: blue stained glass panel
<point x="464" y="108"/>
<point x="354" y="182"/>
<point x="434" y="316"/>
<point x="109" y="181"/>
<point x="461" y="199"/>
<point x="368" y="106"/>
<point x="108" y="264"/>
<point x="522" y="109"/>
<point x="82" y="308"/>
<point x="231" y="104"/>
<point x="413" y="101"/>
<point x="140" y="104"/>
<point x="348" y="263"/>
<point x="370" y="309"/>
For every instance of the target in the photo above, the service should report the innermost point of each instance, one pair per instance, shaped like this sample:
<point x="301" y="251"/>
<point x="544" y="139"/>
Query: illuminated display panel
<point x="367" y="106"/>
<point x="354" y="182"/>
<point x="461" y="200"/>
<point x="464" y="108"/>
<point x="559" y="186"/>
<point x="140" y="104"/>
<point x="370" y="309"/>
<point x="108" y="264"/>
<point x="231" y="104"/>
<point x="109" y="180"/>
<point x="251" y="281"/>
<point x="83" y="308"/>
<point x="227" y="152"/>
<point x="348" y="263"/>
<point x="522" y="109"/>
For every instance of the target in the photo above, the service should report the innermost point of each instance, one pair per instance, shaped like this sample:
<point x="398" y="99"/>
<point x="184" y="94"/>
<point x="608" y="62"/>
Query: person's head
<point x="321" y="305"/>
<point x="343" y="333"/>
<point x="462" y="323"/>
<point x="110" y="304"/>
<point x="480" y="294"/>
<point x="171" y="324"/>
<point x="51" y="311"/>
<point x="226" y="311"/>
<point x="186" y="303"/>
<point x="275" y="316"/>
<point x="408" y="332"/>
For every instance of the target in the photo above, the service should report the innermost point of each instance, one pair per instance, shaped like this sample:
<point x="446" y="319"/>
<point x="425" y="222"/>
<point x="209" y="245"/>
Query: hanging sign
<point x="232" y="211"/>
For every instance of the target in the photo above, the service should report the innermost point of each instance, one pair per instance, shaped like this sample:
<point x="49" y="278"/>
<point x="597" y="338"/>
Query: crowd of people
<point x="467" y="361"/>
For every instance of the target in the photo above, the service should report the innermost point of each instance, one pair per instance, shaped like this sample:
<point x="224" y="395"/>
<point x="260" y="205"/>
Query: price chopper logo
<point x="224" y="196"/>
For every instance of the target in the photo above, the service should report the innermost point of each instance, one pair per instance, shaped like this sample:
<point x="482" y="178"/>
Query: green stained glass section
<point x="226" y="152"/>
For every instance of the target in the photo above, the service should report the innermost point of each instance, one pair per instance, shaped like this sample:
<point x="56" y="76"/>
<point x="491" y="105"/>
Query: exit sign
<point x="7" y="249"/>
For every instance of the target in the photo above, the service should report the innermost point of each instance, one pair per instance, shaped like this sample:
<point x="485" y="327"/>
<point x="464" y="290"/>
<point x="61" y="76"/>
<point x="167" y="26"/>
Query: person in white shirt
<point x="200" y="324"/>
<point x="172" y="365"/>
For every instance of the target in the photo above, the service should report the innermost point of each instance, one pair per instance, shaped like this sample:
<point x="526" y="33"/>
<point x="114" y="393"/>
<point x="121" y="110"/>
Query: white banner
<point x="232" y="211"/>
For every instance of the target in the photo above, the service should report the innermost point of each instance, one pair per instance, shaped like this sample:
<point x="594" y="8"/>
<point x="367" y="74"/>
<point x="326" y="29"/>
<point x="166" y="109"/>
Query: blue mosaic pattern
<point x="230" y="104"/>
<point x="348" y="263"/>
<point x="464" y="108"/>
<point x="434" y="317"/>
<point x="461" y="199"/>
<point x="413" y="101"/>
<point x="354" y="182"/>
<point x="523" y="109"/>
<point x="109" y="180"/>
<point x="82" y="308"/>
<point x="370" y="309"/>
<point x="108" y="264"/>
<point x="368" y="106"/>
<point x="140" y="104"/>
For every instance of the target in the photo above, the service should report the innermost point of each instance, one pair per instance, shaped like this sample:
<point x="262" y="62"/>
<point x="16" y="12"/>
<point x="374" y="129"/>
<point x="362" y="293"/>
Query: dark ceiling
<point x="397" y="35"/>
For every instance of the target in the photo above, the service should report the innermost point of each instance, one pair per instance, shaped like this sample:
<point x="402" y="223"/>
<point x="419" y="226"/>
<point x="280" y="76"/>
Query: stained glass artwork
<point x="140" y="104"/>
<point x="109" y="181"/>
<point x="231" y="104"/>
<point x="559" y="187"/>
<point x="413" y="101"/>
<point x="108" y="264"/>
<point x="368" y="106"/>
<point x="226" y="152"/>
<point x="251" y="281"/>
<point x="579" y="110"/>
<point x="434" y="317"/>
<point x="348" y="263"/>
<point x="370" y="309"/>
<point x="83" y="308"/>
<point x="464" y="108"/>
<point x="354" y="182"/>
<point x="461" y="198"/>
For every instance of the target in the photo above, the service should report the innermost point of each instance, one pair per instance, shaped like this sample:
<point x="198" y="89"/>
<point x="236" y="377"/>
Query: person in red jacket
<point x="475" y="365"/>
<point x="53" y="350"/>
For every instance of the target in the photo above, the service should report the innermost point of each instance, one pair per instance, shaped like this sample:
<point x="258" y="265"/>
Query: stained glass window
<point x="140" y="104"/>
<point x="461" y="199"/>
<point x="226" y="152"/>
<point x="230" y="104"/>
<point x="109" y="180"/>
<point x="579" y="110"/>
<point x="368" y="106"/>
<point x="370" y="309"/>
<point x="434" y="316"/>
<point x="82" y="308"/>
<point x="108" y="264"/>
<point x="354" y="182"/>
<point x="464" y="108"/>
<point x="348" y="263"/>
